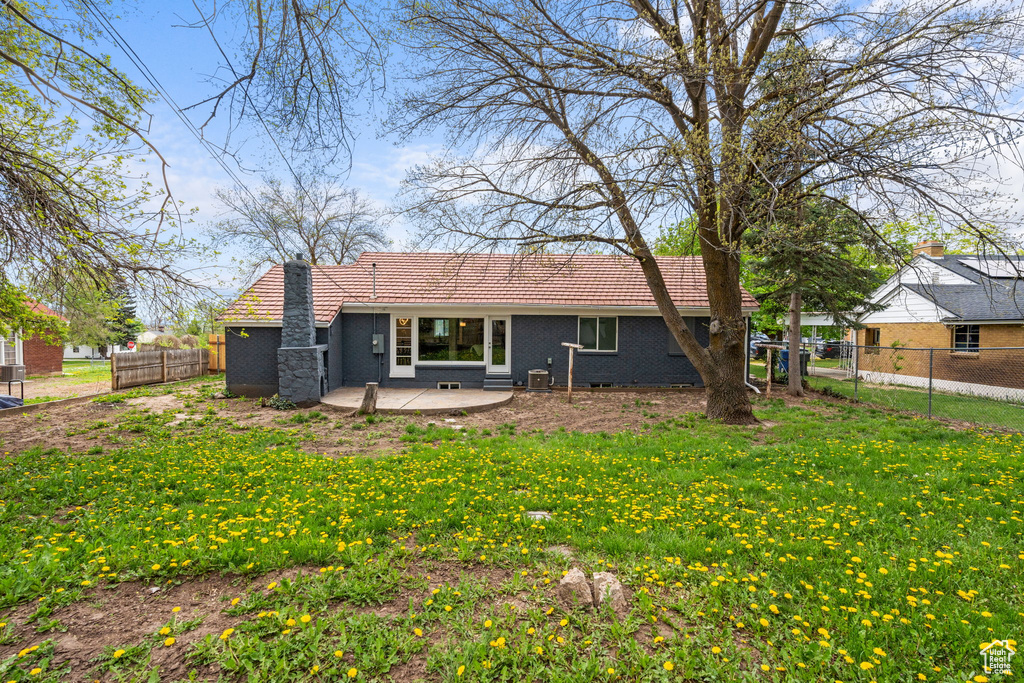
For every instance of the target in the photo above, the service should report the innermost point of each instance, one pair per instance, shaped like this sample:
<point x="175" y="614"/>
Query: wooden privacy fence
<point x="153" y="367"/>
<point x="218" y="355"/>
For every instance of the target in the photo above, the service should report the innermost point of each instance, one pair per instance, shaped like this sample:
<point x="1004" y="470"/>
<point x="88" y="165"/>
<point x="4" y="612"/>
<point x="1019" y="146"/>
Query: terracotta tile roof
<point x="479" y="279"/>
<point x="37" y="307"/>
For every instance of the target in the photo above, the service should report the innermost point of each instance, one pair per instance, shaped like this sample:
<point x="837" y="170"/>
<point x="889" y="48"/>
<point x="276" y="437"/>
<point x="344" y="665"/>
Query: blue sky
<point x="182" y="59"/>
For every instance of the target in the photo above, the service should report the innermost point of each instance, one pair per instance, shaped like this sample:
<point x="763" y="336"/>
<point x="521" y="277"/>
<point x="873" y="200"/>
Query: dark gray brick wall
<point x="332" y="337"/>
<point x="644" y="356"/>
<point x="251" y="364"/>
<point x="359" y="364"/>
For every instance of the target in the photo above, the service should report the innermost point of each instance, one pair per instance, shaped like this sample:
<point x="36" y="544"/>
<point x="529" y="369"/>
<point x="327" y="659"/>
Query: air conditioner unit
<point x="10" y="373"/>
<point x="539" y="381"/>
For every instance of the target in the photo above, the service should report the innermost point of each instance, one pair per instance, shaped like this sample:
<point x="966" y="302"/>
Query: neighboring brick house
<point x="435" y="320"/>
<point x="39" y="356"/>
<point x="959" y="305"/>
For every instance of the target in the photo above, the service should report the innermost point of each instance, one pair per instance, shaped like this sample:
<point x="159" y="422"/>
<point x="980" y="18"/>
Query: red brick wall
<point x="42" y="358"/>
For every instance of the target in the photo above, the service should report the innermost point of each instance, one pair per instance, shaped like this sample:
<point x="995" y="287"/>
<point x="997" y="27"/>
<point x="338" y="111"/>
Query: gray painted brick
<point x="643" y="357"/>
<point x="251" y="363"/>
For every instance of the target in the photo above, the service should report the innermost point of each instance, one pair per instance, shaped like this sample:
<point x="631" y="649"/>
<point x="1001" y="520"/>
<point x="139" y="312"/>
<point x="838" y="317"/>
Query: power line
<point x="155" y="83"/>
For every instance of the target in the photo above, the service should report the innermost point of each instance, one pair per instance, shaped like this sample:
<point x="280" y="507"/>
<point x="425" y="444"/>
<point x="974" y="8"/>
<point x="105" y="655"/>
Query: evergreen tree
<point x="123" y="324"/>
<point x="817" y="258"/>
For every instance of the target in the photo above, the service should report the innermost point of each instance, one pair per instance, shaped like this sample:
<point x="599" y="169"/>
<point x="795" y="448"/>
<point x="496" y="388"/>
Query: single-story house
<point x="38" y="355"/>
<point x="83" y="352"/>
<point x="957" y="304"/>
<point x="441" y="320"/>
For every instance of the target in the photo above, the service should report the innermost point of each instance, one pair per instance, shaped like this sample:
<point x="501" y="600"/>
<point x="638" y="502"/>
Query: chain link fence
<point x="979" y="385"/>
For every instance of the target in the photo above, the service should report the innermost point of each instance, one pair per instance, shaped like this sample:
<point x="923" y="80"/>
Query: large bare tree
<point x="327" y="223"/>
<point x="586" y="121"/>
<point x="71" y="203"/>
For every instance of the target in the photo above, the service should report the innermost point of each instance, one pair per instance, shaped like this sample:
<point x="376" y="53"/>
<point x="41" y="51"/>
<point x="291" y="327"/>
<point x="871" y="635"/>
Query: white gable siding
<point x="923" y="271"/>
<point x="904" y="306"/>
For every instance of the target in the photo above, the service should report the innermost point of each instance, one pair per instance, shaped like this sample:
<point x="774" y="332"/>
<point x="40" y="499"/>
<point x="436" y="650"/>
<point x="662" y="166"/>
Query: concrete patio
<point x="422" y="401"/>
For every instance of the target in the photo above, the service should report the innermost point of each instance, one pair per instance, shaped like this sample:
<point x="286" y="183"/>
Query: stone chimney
<point x="298" y="324"/>
<point x="301" y="370"/>
<point x="933" y="248"/>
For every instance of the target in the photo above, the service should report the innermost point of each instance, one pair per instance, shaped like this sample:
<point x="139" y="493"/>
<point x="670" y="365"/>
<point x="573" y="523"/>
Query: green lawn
<point x="83" y="371"/>
<point x="835" y="543"/>
<point x="985" y="411"/>
<point x="80" y="372"/>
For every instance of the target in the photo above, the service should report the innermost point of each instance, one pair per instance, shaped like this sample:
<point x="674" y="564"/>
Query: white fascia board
<point x="505" y="309"/>
<point x="263" y="323"/>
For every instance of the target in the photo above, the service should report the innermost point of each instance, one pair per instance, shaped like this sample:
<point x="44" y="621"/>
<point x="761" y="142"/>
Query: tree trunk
<point x="369" y="406"/>
<point x="726" y="388"/>
<point x="723" y="364"/>
<point x="726" y="379"/>
<point x="796" y="385"/>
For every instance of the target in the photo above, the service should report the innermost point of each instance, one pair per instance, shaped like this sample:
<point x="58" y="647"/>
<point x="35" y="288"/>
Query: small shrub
<point x="278" y="403"/>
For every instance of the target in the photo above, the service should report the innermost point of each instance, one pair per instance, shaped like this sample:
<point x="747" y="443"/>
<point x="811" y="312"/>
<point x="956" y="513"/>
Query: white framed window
<point x="10" y="349"/>
<point x="599" y="333"/>
<point x="450" y="340"/>
<point x="449" y="385"/>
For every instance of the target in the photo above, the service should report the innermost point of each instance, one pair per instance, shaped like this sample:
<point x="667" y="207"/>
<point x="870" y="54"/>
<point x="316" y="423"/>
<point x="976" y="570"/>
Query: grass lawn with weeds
<point x="831" y="542"/>
<point x="1002" y="414"/>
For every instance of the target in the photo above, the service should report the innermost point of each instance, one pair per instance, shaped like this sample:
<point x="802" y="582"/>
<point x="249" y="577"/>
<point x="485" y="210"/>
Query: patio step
<point x="497" y="384"/>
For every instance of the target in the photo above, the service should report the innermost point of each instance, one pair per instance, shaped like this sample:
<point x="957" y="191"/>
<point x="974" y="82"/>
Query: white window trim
<point x="598" y="333"/>
<point x="395" y="369"/>
<point x="19" y="350"/>
<point x="410" y="370"/>
<point x="505" y="369"/>
<point x="445" y="363"/>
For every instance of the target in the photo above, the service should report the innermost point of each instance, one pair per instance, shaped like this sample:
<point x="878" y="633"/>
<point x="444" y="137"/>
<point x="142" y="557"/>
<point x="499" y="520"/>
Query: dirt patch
<point x="339" y="434"/>
<point x="87" y="426"/>
<point x="60" y="386"/>
<point x="124" y="615"/>
<point x="158" y="403"/>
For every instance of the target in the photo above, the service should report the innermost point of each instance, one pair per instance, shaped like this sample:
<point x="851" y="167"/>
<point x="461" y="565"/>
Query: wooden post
<point x="163" y="366"/>
<point x="369" y="406"/>
<point x="113" y="372"/>
<point x="572" y="350"/>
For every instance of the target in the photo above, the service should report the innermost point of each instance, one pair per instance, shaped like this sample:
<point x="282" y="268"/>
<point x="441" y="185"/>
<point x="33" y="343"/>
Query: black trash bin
<point x="805" y="356"/>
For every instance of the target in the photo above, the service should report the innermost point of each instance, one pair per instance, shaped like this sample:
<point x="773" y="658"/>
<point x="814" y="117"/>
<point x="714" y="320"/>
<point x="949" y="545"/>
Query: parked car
<point x="832" y="348"/>
<point x="755" y="339"/>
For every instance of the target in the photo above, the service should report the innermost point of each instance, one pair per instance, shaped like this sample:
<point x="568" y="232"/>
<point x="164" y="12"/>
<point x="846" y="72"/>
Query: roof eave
<point x="982" y="321"/>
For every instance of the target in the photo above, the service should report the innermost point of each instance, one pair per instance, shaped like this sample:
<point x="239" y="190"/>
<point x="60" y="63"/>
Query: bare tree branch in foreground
<point x="588" y="122"/>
